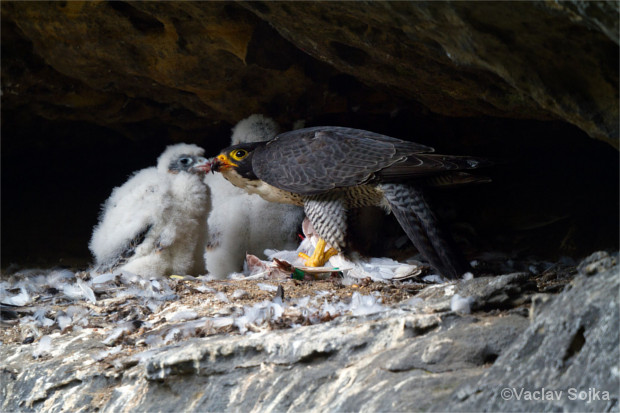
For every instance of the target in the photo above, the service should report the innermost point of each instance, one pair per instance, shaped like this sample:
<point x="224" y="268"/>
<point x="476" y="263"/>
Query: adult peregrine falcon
<point x="329" y="170"/>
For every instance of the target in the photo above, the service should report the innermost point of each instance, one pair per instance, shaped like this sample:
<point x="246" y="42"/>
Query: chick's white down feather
<point x="241" y="223"/>
<point x="169" y="209"/>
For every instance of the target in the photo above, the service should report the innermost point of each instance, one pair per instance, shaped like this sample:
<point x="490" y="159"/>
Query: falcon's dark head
<point x="236" y="159"/>
<point x="189" y="163"/>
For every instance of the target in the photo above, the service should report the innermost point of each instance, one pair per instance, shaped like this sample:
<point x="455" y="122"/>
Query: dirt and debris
<point x="198" y="298"/>
<point x="130" y="313"/>
<point x="147" y="336"/>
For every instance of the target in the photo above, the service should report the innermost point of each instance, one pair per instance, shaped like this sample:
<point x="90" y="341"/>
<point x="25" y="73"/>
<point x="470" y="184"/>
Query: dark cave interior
<point x="554" y="190"/>
<point x="73" y="128"/>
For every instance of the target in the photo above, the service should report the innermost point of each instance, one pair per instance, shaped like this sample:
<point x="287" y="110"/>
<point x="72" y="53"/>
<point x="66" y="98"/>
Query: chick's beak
<point x="202" y="164"/>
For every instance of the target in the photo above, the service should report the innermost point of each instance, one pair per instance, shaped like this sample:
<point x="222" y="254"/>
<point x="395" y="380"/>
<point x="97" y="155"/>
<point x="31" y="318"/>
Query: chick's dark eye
<point x="185" y="161"/>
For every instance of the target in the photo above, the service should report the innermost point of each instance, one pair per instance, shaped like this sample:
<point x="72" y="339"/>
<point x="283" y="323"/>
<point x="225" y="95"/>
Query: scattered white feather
<point x="150" y="289"/>
<point x="158" y="218"/>
<point x="313" y="309"/>
<point x="258" y="314"/>
<point x="291" y="257"/>
<point x="41" y="320"/>
<point x="334" y="309"/>
<point x="114" y="350"/>
<point x="221" y="297"/>
<point x="128" y="277"/>
<point x="237" y="294"/>
<point x="267" y="287"/>
<point x="433" y="278"/>
<point x="87" y="292"/>
<point x="365" y="304"/>
<point x="156" y="285"/>
<point x="460" y="304"/>
<point x="74" y="291"/>
<point x="237" y="276"/>
<point x="43" y="347"/>
<point x="19" y="300"/>
<point x="205" y="289"/>
<point x="57" y="277"/>
<point x="221" y="322"/>
<point x="63" y="321"/>
<point x="302" y="302"/>
<point x="79" y="315"/>
<point x="104" y="278"/>
<point x="182" y="315"/>
<point x="468" y="276"/>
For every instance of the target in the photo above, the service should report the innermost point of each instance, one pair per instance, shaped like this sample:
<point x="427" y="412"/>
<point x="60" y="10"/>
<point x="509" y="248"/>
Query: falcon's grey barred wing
<point x="418" y="165"/>
<point x="314" y="160"/>
<point x="417" y="219"/>
<point x="452" y="179"/>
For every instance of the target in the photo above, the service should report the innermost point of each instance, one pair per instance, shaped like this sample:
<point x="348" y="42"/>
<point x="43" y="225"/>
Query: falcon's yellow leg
<point x="319" y="256"/>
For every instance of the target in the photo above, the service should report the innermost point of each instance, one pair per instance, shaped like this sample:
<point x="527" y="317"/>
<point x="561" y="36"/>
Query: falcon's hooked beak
<point x="221" y="162"/>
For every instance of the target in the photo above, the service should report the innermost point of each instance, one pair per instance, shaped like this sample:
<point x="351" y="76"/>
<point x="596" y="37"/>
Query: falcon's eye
<point x="185" y="161"/>
<point x="239" y="154"/>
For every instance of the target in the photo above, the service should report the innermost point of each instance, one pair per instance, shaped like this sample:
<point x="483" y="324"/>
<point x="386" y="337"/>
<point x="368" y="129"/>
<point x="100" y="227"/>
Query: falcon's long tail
<point x="416" y="218"/>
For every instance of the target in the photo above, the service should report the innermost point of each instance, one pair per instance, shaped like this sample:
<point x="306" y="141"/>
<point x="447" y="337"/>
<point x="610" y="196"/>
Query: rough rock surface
<point x="190" y="63"/>
<point x="572" y="345"/>
<point x="415" y="354"/>
<point x="480" y="53"/>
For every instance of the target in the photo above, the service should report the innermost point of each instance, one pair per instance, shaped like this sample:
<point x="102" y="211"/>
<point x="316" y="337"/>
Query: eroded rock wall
<point x="223" y="61"/>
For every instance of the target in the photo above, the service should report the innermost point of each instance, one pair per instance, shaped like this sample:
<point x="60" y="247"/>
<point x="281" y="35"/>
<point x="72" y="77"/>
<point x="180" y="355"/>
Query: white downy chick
<point x="155" y="224"/>
<point x="241" y="223"/>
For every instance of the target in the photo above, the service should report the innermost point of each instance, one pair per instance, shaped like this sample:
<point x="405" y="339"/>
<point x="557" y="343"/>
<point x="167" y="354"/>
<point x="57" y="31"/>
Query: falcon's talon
<point x="319" y="256"/>
<point x="330" y="253"/>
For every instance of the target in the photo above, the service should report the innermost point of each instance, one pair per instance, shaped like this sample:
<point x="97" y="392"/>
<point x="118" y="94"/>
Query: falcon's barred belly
<point x="330" y="170"/>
